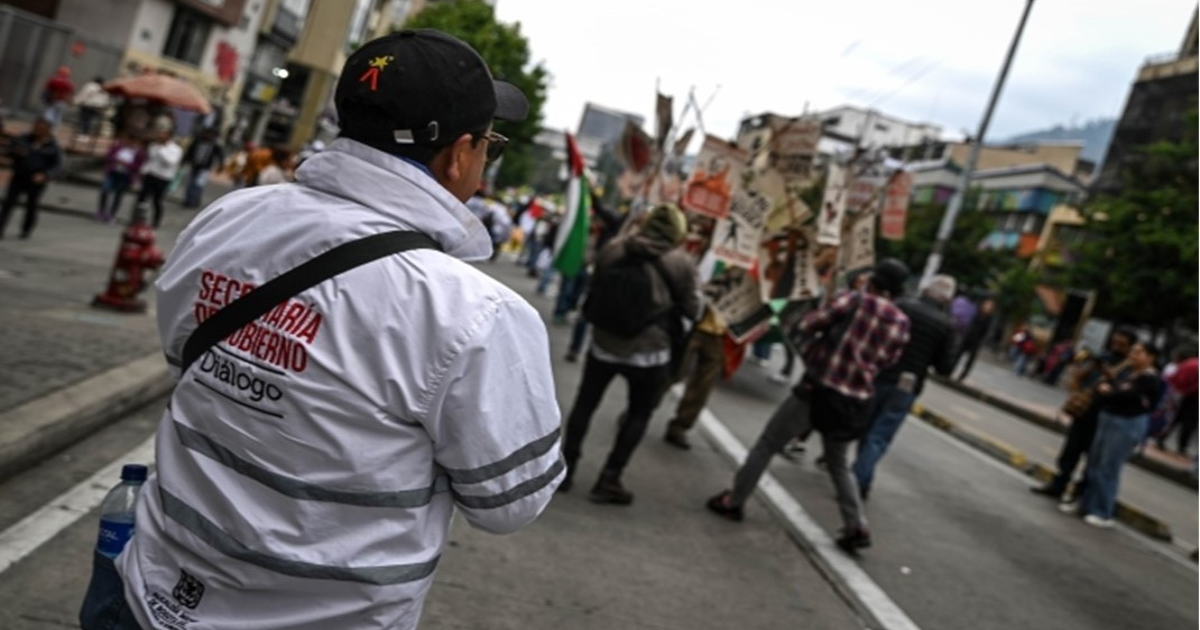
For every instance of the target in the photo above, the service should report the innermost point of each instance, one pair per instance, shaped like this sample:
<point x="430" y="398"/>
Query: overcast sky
<point x="920" y="60"/>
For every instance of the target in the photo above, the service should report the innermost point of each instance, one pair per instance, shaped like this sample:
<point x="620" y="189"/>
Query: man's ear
<point x="453" y="163"/>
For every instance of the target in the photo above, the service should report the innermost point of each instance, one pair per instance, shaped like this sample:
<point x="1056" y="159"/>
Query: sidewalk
<point x="991" y="381"/>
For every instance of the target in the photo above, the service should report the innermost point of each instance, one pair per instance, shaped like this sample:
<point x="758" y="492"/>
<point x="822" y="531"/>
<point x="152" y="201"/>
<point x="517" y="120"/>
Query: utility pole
<point x="934" y="262"/>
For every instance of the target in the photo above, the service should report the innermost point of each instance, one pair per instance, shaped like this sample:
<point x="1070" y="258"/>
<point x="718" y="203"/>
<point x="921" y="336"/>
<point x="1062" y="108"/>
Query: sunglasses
<point x="495" y="145"/>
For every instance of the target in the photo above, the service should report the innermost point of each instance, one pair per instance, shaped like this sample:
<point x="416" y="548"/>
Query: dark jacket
<point x="204" y="154"/>
<point x="930" y="342"/>
<point x="682" y="276"/>
<point x="1133" y="394"/>
<point x="29" y="160"/>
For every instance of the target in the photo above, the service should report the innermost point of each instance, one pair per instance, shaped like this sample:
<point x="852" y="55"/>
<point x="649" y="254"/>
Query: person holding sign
<point x="851" y="340"/>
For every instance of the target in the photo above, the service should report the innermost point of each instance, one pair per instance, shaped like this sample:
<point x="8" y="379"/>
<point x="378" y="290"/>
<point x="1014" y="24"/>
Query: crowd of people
<point x="144" y="155"/>
<point x="409" y="385"/>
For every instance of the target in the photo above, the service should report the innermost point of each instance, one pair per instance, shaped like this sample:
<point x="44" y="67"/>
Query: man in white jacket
<point x="310" y="463"/>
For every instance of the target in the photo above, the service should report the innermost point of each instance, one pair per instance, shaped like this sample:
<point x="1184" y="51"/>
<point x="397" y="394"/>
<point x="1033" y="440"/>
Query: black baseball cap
<point x="420" y="87"/>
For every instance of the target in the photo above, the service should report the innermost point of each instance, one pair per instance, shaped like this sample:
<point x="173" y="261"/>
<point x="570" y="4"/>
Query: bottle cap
<point x="134" y="472"/>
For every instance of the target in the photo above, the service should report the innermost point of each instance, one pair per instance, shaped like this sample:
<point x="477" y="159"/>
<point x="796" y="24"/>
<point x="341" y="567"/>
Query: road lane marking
<point x="842" y="571"/>
<point x="35" y="530"/>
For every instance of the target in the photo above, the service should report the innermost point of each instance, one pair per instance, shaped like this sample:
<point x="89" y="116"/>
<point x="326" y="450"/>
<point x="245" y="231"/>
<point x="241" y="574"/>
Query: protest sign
<point x="794" y="147"/>
<point x="734" y="294"/>
<point x="735" y="239"/>
<point x="895" y="206"/>
<point x="718" y="171"/>
<point x="833" y="207"/>
<point x="786" y="266"/>
<point x="858" y="251"/>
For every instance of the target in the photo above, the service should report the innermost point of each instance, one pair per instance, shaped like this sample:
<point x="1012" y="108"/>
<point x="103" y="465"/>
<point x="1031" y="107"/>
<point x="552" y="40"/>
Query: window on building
<point x="188" y="36"/>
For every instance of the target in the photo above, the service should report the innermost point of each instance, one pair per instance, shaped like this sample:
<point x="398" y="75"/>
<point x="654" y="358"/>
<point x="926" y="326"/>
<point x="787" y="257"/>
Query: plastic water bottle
<point x="117" y="511"/>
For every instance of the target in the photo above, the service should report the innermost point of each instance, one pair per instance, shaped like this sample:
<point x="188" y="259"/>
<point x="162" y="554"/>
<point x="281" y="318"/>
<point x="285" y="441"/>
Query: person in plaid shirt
<point x="835" y="394"/>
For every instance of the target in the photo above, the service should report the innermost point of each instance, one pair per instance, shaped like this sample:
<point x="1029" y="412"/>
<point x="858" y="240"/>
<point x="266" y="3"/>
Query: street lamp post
<point x="934" y="262"/>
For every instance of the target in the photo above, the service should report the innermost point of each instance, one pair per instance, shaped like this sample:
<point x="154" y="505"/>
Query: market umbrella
<point x="161" y="88"/>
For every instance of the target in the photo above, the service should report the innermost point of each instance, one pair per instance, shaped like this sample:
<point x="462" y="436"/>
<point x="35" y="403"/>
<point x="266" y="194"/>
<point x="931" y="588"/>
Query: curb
<point x="1177" y="475"/>
<point x="1126" y="513"/>
<point x="41" y="427"/>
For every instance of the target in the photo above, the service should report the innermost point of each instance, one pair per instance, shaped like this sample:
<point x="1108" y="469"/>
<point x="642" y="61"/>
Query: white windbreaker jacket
<point x="308" y="466"/>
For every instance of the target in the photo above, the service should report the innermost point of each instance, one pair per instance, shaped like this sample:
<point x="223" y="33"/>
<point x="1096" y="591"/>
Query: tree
<point x="1141" y="251"/>
<point x="962" y="258"/>
<point x="507" y="53"/>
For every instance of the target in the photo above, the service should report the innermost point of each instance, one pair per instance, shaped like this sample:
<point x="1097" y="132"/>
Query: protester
<point x="931" y="344"/>
<point x="203" y="156"/>
<point x="257" y="158"/>
<point x="835" y="393"/>
<point x="701" y="366"/>
<point x="962" y="314"/>
<point x="56" y="95"/>
<point x="1125" y="405"/>
<point x="35" y="157"/>
<point x="1084" y="410"/>
<point x="122" y="165"/>
<point x="91" y="100"/>
<point x="975" y="335"/>
<point x="632" y="338"/>
<point x="158" y="171"/>
<point x="320" y="494"/>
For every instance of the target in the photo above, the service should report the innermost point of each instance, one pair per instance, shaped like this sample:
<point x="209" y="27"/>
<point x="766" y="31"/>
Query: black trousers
<point x="17" y="186"/>
<point x="155" y="188"/>
<point x="645" y="385"/>
<point x="1079" y="439"/>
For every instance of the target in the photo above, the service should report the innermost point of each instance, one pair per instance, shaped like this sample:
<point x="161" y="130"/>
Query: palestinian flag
<point x="570" y="244"/>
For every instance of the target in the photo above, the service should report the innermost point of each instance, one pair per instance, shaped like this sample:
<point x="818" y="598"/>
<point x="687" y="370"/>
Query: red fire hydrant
<point x="135" y="258"/>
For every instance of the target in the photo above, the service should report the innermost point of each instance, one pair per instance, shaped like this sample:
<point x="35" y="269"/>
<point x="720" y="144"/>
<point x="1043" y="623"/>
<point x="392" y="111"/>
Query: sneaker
<point x="608" y="489"/>
<point x="720" y="506"/>
<point x="1069" y="507"/>
<point x="852" y="540"/>
<point x="1048" y="490"/>
<point x="677" y="439"/>
<point x="567" y="481"/>
<point x="1098" y="521"/>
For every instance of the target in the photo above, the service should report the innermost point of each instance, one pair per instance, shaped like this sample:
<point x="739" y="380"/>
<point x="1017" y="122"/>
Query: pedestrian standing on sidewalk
<point x="160" y="168"/>
<point x="203" y="156"/>
<point x="930" y="345"/>
<point x="1084" y="410"/>
<point x="861" y="334"/>
<point x="1125" y="406"/>
<point x="91" y="100"/>
<point x="975" y="334"/>
<point x="642" y="281"/>
<point x="56" y="95"/>
<point x="306" y="479"/>
<point x="35" y="157"/>
<point x="122" y="164"/>
<point x="1182" y="380"/>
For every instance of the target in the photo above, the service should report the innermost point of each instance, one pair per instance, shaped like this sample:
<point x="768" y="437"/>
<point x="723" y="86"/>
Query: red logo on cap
<point x="372" y="73"/>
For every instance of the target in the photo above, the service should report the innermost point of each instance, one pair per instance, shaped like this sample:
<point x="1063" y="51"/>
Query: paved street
<point x="959" y="540"/>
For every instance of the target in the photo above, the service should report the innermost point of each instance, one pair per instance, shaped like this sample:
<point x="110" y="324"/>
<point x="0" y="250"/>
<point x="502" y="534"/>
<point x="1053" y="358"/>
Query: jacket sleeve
<point x="495" y="421"/>
<point x="686" y="283"/>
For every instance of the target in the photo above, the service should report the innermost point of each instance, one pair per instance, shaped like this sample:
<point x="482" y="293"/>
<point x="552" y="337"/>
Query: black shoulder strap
<point x="254" y="304"/>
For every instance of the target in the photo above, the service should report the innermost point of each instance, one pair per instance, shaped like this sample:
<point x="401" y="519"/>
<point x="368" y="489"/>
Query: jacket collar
<point x="398" y="190"/>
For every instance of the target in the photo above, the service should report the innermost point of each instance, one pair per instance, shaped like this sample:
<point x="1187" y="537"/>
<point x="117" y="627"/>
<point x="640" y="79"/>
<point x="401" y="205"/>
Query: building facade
<point x="1156" y="109"/>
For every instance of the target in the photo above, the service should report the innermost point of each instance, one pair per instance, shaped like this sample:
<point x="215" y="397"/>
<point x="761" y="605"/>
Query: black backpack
<point x="620" y="297"/>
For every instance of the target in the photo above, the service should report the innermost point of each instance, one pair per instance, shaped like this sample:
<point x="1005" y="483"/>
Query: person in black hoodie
<point x="35" y="157"/>
<point x="930" y="344"/>
<point x="1125" y="406"/>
